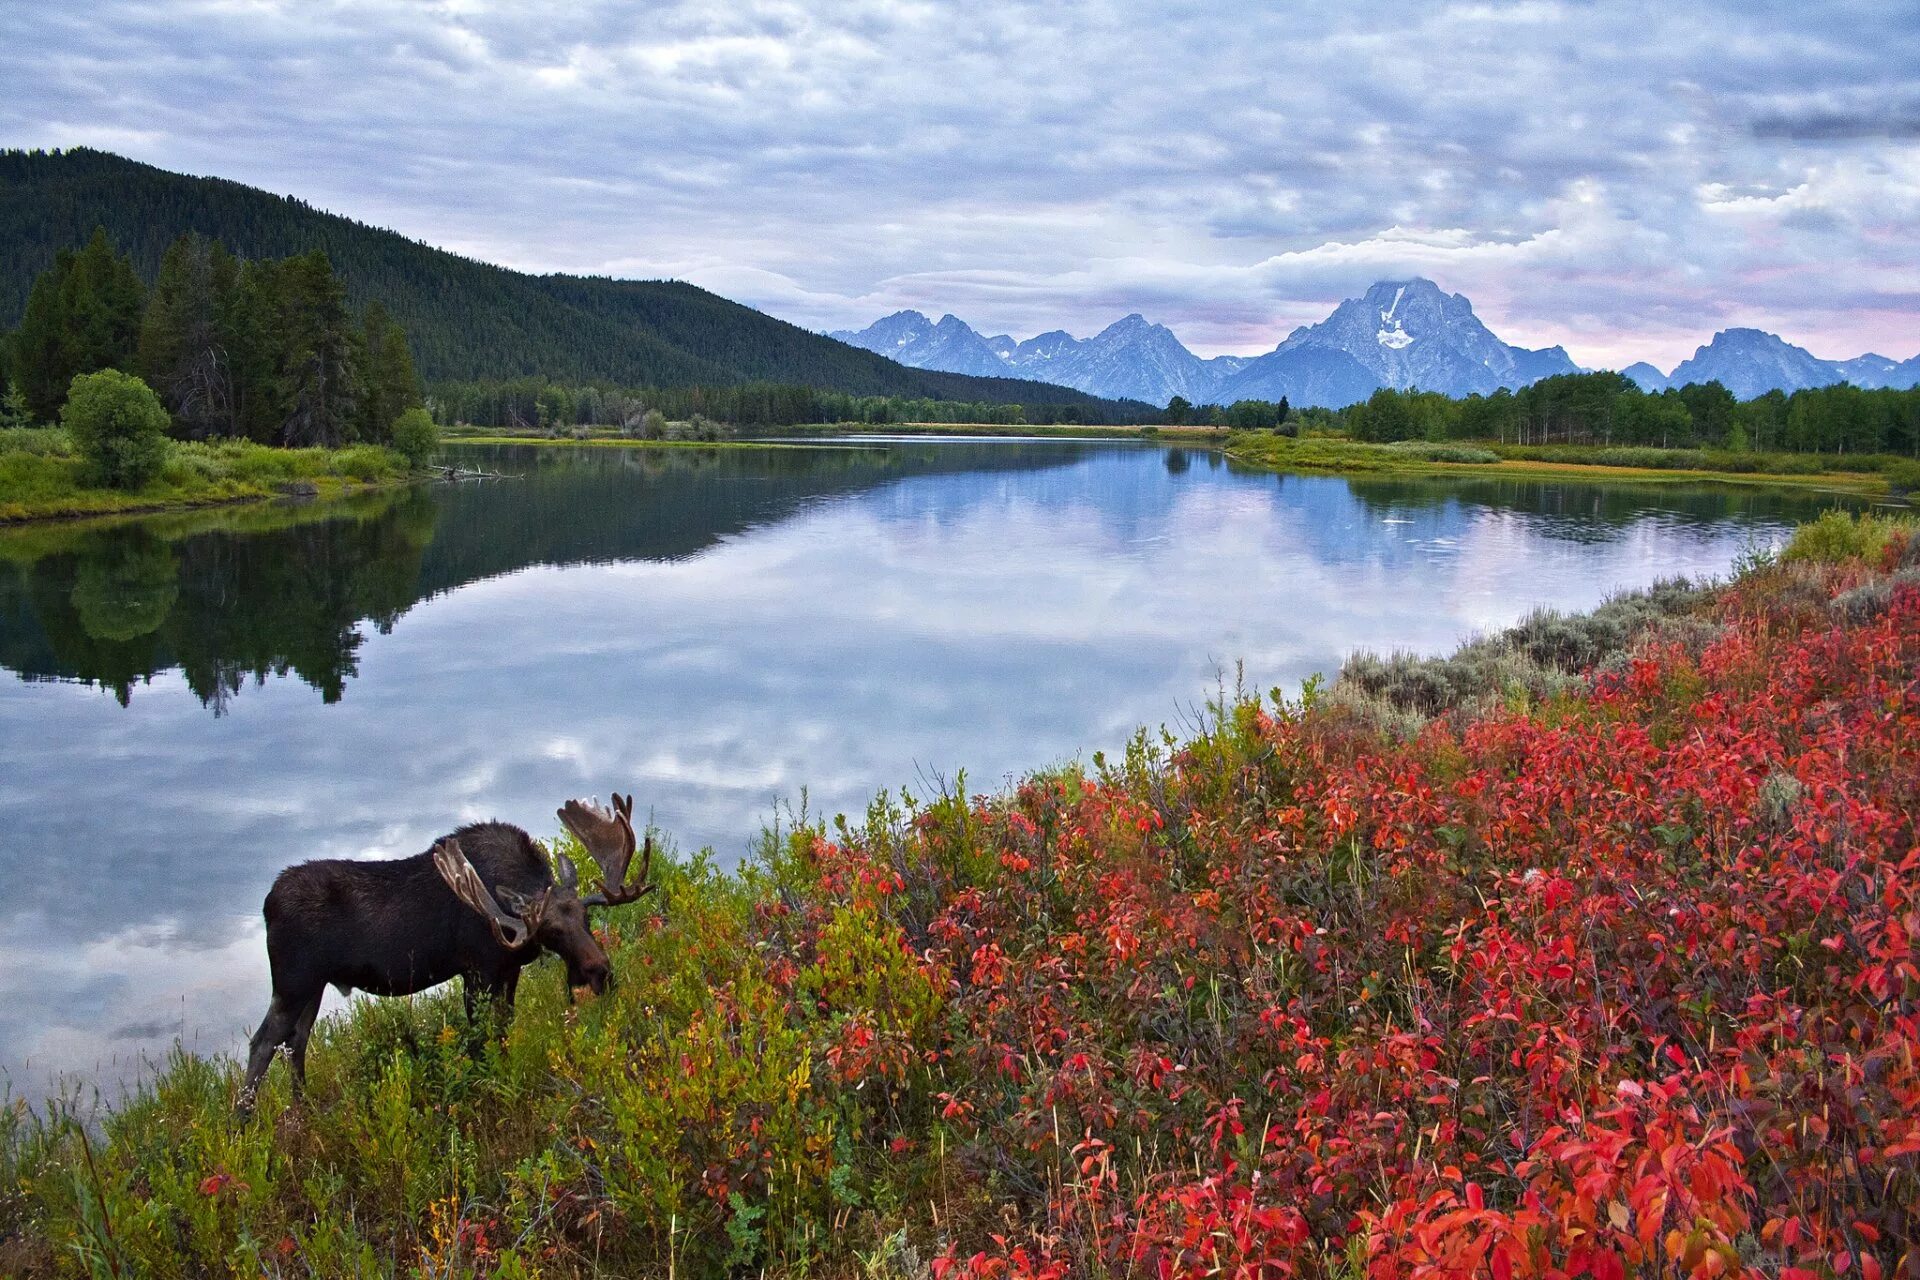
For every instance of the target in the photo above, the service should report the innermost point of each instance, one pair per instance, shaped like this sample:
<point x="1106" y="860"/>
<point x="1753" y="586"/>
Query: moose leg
<point x="274" y="1030"/>
<point x="302" y="1029"/>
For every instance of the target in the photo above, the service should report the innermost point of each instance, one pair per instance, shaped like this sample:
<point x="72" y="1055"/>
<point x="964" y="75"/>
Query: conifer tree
<point x="317" y="383"/>
<point x="182" y="355"/>
<point x="391" y="387"/>
<point x="83" y="315"/>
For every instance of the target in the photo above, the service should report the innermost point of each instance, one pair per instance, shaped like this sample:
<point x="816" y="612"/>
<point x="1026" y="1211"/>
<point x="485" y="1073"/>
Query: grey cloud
<point x="1837" y="127"/>
<point x="1234" y="168"/>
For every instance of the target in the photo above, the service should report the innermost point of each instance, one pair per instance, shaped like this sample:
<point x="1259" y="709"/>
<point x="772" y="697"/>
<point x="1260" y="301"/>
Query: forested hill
<point x="466" y="320"/>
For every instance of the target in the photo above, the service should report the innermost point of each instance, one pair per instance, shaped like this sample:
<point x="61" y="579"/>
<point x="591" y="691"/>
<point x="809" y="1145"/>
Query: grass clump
<point x="1541" y="658"/>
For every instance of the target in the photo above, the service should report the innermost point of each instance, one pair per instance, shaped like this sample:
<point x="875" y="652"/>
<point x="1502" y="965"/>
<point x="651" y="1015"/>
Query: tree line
<point x="537" y="404"/>
<point x="1609" y="409"/>
<point x="251" y="349"/>
<point x="1241" y="415"/>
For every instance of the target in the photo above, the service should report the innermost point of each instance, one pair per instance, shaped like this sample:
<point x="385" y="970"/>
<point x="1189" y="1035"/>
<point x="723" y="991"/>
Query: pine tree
<point x="39" y="365"/>
<point x="181" y="352"/>
<point x="391" y="386"/>
<point x="103" y="299"/>
<point x="318" y="383"/>
<point x="13" y="408"/>
<point x="83" y="315"/>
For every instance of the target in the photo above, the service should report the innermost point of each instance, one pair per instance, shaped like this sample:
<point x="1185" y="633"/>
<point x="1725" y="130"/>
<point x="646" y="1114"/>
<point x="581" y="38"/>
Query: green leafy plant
<point x="118" y="425"/>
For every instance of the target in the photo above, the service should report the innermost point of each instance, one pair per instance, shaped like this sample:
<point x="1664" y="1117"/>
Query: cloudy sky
<point x="1623" y="178"/>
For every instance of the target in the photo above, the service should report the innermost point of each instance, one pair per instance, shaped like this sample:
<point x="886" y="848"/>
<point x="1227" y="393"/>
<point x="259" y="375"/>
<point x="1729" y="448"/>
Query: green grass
<point x="41" y="477"/>
<point x="1867" y="474"/>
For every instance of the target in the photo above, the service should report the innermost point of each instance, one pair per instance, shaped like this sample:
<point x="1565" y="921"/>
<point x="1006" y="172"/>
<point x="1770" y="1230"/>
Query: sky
<point x="1621" y="178"/>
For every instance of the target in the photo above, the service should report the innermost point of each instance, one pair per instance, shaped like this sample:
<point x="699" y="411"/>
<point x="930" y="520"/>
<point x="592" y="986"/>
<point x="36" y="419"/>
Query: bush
<point x="364" y="462"/>
<point x="118" y="425"/>
<point x="415" y="437"/>
<point x="1903" y="475"/>
<point x="1538" y="659"/>
<point x="44" y="442"/>
<point x="1426" y="452"/>
<point x="1840" y="535"/>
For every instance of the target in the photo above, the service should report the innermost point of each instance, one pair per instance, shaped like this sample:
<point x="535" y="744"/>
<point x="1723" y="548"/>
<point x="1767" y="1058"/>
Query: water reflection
<point x="716" y="629"/>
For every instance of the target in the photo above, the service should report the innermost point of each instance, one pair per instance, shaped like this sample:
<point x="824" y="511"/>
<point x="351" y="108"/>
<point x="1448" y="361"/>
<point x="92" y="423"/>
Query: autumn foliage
<point x="1624" y="985"/>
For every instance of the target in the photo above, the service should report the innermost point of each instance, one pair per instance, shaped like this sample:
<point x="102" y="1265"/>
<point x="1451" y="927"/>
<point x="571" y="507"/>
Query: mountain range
<point x="1400" y="333"/>
<point x="1752" y="362"/>
<point x="465" y="320"/>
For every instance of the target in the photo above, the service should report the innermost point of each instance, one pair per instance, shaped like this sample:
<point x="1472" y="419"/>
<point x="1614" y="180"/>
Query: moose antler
<point x="609" y="838"/>
<point x="512" y="931"/>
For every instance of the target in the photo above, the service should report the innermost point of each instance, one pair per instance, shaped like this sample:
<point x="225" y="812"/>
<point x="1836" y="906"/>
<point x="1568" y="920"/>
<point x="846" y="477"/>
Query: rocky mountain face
<point x="1645" y="376"/>
<point x="1751" y="362"/>
<point x="1400" y="333"/>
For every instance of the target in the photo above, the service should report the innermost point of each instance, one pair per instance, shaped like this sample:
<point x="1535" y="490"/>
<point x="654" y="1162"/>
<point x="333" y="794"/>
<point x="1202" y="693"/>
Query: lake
<point x="191" y="702"/>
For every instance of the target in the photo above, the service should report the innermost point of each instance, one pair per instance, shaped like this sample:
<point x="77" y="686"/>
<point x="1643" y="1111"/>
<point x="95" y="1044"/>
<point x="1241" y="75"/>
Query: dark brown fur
<point x="394" y="928"/>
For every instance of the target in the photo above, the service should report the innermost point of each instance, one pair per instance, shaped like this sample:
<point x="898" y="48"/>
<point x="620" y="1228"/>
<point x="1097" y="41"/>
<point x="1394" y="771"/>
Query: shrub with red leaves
<point x="1620" y="985"/>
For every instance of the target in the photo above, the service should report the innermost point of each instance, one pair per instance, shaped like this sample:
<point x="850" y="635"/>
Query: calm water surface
<point x="190" y="703"/>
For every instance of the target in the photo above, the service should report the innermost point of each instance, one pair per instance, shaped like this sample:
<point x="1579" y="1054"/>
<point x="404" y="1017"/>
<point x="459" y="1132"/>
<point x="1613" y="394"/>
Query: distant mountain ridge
<point x="1400" y="333"/>
<point x="1752" y="362"/>
<point x="465" y="320"/>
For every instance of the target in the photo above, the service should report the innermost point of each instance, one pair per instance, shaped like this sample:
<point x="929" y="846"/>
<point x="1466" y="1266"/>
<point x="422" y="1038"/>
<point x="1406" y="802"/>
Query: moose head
<point x="555" y="917"/>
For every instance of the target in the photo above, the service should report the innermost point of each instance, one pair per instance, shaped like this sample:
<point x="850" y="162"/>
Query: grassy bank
<point x="41" y="477"/>
<point x="1588" y="951"/>
<point x="1871" y="476"/>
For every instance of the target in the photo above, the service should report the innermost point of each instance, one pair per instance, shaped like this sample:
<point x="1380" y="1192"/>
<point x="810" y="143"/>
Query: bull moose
<point x="481" y="905"/>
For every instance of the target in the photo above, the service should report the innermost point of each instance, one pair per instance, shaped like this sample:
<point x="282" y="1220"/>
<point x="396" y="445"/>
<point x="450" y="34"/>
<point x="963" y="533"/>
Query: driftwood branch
<point x="450" y="475"/>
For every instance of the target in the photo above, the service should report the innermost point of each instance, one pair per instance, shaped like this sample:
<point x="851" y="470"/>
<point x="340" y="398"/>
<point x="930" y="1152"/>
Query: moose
<point x="480" y="905"/>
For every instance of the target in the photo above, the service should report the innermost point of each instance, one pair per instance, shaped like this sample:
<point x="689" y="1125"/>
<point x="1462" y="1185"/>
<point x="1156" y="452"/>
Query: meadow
<point x="1588" y="951"/>
<point x="42" y="477"/>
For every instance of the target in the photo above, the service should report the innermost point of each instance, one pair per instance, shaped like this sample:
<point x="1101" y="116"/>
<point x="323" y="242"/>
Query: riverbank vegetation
<point x="1589" y="953"/>
<point x="1864" y="474"/>
<point x="170" y="396"/>
<point x="43" y="476"/>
